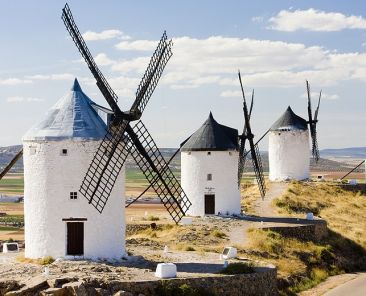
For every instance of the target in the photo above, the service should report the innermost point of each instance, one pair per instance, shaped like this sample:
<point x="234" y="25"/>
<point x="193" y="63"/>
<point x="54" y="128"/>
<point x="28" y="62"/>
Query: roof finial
<point x="76" y="86"/>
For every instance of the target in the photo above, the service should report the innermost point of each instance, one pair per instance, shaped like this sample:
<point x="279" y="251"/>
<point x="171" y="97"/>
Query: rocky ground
<point x="135" y="267"/>
<point x="83" y="277"/>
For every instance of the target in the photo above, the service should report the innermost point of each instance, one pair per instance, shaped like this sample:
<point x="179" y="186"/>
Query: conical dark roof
<point x="289" y="121"/>
<point x="212" y="136"/>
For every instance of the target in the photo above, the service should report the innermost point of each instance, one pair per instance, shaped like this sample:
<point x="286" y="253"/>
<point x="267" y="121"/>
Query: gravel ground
<point x="137" y="267"/>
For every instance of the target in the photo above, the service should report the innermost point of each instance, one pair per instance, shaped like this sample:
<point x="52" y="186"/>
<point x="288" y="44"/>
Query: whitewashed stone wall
<point x="223" y="165"/>
<point x="49" y="178"/>
<point x="289" y="155"/>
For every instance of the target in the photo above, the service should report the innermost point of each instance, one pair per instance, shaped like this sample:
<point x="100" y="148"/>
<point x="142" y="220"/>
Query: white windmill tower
<point x="57" y="152"/>
<point x="209" y="168"/>
<point x="212" y="164"/>
<point x="288" y="151"/>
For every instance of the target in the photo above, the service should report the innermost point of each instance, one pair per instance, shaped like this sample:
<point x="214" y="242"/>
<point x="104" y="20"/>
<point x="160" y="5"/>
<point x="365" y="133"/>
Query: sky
<point x="277" y="45"/>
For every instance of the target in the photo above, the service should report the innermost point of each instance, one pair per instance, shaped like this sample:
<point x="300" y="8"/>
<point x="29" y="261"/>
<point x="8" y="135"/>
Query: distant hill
<point x="7" y="154"/>
<point x="352" y="152"/>
<point x="338" y="159"/>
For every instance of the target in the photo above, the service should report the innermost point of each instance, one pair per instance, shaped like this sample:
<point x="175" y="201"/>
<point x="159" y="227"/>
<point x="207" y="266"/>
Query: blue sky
<point x="276" y="45"/>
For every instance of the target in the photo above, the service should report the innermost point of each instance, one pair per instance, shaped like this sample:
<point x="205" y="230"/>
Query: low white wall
<point x="49" y="178"/>
<point x="289" y="155"/>
<point x="223" y="165"/>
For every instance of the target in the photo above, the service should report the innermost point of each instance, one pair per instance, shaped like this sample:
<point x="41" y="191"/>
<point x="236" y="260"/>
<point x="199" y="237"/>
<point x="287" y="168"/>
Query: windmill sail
<point x="158" y="173"/>
<point x="121" y="138"/>
<point x="352" y="170"/>
<point x="11" y="164"/>
<point x="156" y="178"/>
<point x="256" y="159"/>
<point x="312" y="123"/>
<point x="242" y="152"/>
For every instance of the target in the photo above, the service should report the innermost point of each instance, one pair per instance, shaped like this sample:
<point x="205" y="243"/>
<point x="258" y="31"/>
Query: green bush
<point x="317" y="276"/>
<point x="238" y="268"/>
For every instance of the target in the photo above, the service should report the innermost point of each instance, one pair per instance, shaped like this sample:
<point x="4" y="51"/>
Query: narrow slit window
<point x="209" y="177"/>
<point x="73" y="195"/>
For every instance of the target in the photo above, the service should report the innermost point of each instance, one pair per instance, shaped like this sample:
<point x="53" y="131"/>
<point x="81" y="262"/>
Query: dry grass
<point x="250" y="194"/>
<point x="184" y="238"/>
<point x="42" y="261"/>
<point x="291" y="256"/>
<point x="218" y="233"/>
<point x="345" y="211"/>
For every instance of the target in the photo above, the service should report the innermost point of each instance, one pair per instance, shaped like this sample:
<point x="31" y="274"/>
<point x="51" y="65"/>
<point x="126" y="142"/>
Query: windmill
<point x="123" y="138"/>
<point x="312" y="123"/>
<point x="254" y="150"/>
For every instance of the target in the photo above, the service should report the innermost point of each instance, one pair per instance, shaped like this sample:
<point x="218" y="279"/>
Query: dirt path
<point x="356" y="286"/>
<point x="331" y="283"/>
<point x="263" y="208"/>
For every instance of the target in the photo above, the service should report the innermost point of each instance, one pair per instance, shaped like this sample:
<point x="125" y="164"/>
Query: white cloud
<point x="325" y="96"/>
<point x="63" y="76"/>
<point x="124" y="86"/>
<point x="141" y="45"/>
<point x="231" y="93"/>
<point x="263" y="63"/>
<point x="14" y="81"/>
<point x="102" y="59"/>
<point x="104" y="35"/>
<point x="197" y="62"/>
<point x="137" y="65"/>
<point x="315" y="20"/>
<point x="18" y="99"/>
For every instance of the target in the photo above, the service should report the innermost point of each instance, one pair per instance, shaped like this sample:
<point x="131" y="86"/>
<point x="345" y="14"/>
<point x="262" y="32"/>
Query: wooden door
<point x="209" y="204"/>
<point x="75" y="238"/>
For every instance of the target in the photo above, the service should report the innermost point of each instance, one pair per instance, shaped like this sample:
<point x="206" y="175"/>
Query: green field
<point x="135" y="180"/>
<point x="13" y="183"/>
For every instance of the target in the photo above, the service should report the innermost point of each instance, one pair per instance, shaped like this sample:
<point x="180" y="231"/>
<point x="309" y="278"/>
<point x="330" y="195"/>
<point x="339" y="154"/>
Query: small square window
<point x="209" y="177"/>
<point x="73" y="195"/>
<point x="208" y="153"/>
<point x="32" y="150"/>
<point x="64" y="152"/>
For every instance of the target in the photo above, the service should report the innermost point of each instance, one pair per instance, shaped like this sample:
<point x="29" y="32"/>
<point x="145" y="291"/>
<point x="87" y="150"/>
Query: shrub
<point x="153" y="218"/>
<point x="317" y="275"/>
<point x="238" y="268"/>
<point x="189" y="248"/>
<point x="46" y="260"/>
<point x="219" y="234"/>
<point x="324" y="254"/>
